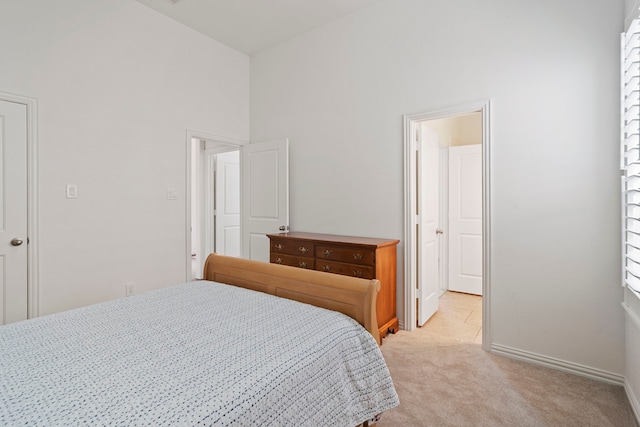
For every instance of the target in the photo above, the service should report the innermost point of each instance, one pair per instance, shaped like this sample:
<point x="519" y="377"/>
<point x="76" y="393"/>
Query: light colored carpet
<point x="446" y="379"/>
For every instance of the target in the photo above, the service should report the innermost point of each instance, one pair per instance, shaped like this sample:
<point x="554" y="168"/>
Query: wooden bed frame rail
<point x="349" y="295"/>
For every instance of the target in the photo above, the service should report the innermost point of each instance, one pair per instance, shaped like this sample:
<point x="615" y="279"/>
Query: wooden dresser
<point x="350" y="256"/>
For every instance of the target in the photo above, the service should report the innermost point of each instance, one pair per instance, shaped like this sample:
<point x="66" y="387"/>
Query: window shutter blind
<point x="630" y="155"/>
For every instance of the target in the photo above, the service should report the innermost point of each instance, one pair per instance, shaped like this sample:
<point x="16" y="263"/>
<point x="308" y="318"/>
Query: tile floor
<point x="459" y="318"/>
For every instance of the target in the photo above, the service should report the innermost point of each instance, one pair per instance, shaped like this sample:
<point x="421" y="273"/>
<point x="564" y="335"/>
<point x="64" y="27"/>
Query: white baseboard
<point x="560" y="365"/>
<point x="633" y="400"/>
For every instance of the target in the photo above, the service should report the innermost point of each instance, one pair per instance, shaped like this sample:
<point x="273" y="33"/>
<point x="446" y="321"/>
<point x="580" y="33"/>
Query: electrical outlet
<point x="129" y="289"/>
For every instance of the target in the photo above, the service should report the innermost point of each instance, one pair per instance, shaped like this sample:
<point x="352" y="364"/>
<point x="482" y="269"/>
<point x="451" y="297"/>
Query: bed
<point x="205" y="353"/>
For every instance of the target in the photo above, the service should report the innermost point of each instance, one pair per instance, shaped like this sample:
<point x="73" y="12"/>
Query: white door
<point x="265" y="195"/>
<point x="465" y="219"/>
<point x="428" y="195"/>
<point x="13" y="212"/>
<point x="227" y="208"/>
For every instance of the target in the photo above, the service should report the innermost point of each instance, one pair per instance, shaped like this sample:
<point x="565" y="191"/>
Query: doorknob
<point x="283" y="228"/>
<point x="439" y="231"/>
<point x="16" y="242"/>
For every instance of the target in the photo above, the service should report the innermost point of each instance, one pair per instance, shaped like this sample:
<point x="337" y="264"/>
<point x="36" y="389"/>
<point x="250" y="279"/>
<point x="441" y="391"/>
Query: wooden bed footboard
<point x="349" y="295"/>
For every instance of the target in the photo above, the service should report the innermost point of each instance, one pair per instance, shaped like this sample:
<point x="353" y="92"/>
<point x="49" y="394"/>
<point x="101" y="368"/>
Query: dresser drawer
<point x="344" y="254"/>
<point x="292" y="247"/>
<point x="354" y="270"/>
<point x="294" y="261"/>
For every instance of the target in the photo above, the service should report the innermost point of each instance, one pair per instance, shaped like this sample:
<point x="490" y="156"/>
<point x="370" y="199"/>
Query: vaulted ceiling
<point x="254" y="25"/>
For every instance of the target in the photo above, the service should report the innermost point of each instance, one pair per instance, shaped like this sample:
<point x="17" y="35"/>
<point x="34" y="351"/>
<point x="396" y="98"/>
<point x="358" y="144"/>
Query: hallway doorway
<point x="215" y="200"/>
<point x="457" y="196"/>
<point x="447" y="210"/>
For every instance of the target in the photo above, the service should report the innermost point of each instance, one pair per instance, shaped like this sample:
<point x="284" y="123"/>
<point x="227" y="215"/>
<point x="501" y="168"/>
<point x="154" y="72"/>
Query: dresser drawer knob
<point x="327" y="252"/>
<point x="279" y="246"/>
<point x="278" y="260"/>
<point x="358" y="255"/>
<point x="303" y="264"/>
<point x="326" y="267"/>
<point x="357" y="273"/>
<point x="303" y="249"/>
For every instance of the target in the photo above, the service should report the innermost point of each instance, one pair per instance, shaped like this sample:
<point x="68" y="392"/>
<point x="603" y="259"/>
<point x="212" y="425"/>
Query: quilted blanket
<point x="201" y="353"/>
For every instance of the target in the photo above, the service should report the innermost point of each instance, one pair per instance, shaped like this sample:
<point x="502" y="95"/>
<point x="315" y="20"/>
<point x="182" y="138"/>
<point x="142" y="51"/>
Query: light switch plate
<point x="72" y="191"/>
<point x="171" y="194"/>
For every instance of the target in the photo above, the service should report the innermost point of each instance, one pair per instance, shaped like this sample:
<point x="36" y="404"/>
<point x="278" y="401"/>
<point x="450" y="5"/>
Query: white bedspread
<point x="201" y="353"/>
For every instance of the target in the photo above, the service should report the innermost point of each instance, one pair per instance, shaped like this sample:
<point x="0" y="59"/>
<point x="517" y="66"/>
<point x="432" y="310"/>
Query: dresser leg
<point x="390" y="326"/>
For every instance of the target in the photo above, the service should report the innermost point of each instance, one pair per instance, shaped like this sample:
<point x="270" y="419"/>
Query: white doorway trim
<point x="410" y="236"/>
<point x="191" y="134"/>
<point x="33" y="302"/>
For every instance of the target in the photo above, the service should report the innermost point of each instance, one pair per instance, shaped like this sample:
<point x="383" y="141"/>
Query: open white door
<point x="465" y="219"/>
<point x="227" y="207"/>
<point x="428" y="187"/>
<point x="13" y="212"/>
<point x="265" y="195"/>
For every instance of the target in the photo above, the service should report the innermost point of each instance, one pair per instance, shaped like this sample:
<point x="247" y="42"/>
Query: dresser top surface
<point x="333" y="238"/>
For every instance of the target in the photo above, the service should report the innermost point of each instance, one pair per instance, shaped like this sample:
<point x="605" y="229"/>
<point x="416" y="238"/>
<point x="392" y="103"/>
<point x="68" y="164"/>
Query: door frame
<point x="191" y="134"/>
<point x="33" y="302"/>
<point x="410" y="234"/>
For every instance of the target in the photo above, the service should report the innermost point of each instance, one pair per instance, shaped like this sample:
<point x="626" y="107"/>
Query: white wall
<point x="631" y="11"/>
<point x="632" y="350"/>
<point x="551" y="70"/>
<point x="117" y="86"/>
